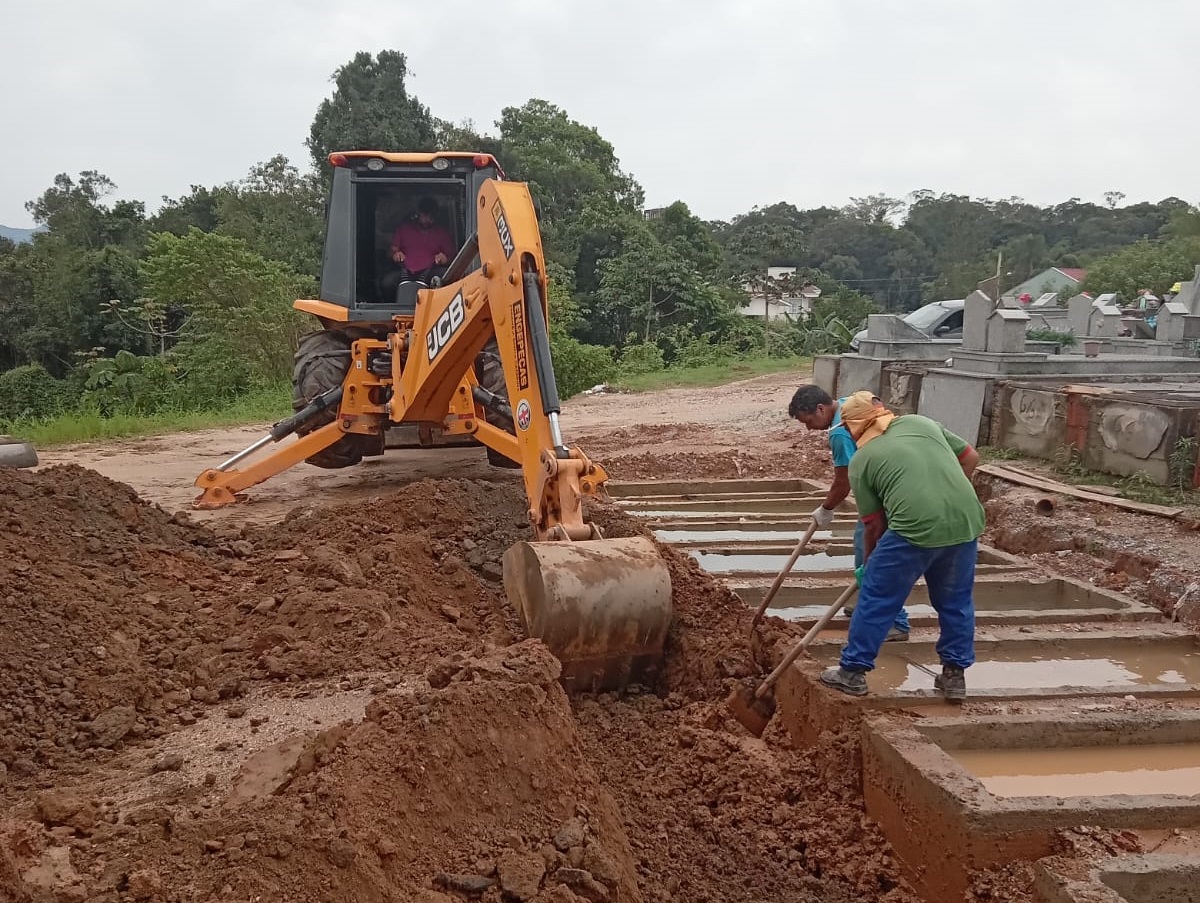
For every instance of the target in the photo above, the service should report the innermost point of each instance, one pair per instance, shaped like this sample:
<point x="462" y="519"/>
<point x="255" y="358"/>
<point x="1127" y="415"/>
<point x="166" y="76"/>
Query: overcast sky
<point x="725" y="105"/>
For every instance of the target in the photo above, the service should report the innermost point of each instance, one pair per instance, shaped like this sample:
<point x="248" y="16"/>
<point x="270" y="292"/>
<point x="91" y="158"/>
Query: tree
<point x="370" y="109"/>
<point x="1156" y="265"/>
<point x="1113" y="198"/>
<point x="278" y="213"/>
<point x="242" y="329"/>
<point x="567" y="164"/>
<point x="650" y="286"/>
<point x="464" y="136"/>
<point x="690" y="238"/>
<point x="875" y="208"/>
<point x="197" y="208"/>
<point x="73" y="212"/>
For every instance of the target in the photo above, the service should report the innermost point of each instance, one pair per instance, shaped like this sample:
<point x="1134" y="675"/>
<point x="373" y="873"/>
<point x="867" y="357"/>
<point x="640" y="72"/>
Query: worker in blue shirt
<point x="816" y="409"/>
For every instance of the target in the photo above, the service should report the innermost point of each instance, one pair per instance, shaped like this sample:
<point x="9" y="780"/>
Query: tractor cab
<point x="372" y="194"/>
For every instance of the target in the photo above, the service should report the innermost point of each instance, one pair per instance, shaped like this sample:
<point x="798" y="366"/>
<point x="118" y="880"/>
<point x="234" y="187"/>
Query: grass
<point x="262" y="405"/>
<point x="274" y="403"/>
<point x="714" y="374"/>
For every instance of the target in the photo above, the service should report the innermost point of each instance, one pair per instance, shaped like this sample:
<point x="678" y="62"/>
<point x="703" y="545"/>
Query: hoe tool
<point x="463" y="357"/>
<point x="754" y="709"/>
<point x="787" y="569"/>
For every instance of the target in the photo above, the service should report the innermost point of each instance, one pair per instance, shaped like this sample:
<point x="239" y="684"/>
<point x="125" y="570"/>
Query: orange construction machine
<point x="453" y="350"/>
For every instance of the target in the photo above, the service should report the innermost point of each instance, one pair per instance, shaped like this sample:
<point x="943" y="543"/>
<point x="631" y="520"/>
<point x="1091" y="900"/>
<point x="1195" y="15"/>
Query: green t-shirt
<point x="912" y="474"/>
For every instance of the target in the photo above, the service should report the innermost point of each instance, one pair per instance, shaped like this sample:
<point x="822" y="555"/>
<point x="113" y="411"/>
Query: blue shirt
<point x="840" y="442"/>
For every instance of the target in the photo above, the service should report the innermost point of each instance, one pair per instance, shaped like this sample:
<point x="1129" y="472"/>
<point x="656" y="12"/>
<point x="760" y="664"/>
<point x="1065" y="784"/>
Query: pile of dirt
<point x="96" y="585"/>
<point x="475" y="786"/>
<point x="357" y="587"/>
<point x="767" y="822"/>
<point x="121" y="620"/>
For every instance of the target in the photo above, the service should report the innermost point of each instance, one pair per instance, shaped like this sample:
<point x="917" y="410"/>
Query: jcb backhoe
<point x="463" y="357"/>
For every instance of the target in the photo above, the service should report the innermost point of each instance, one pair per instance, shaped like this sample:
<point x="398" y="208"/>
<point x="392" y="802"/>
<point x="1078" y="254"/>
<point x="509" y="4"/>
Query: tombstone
<point x="1050" y="299"/>
<point x="1104" y="322"/>
<point x="1011" y="301"/>
<point x="1039" y="323"/>
<point x="1079" y="309"/>
<point x="1112" y="299"/>
<point x="1006" y="330"/>
<point x="976" y="310"/>
<point x="1171" y="323"/>
<point x="1189" y="293"/>
<point x="891" y="328"/>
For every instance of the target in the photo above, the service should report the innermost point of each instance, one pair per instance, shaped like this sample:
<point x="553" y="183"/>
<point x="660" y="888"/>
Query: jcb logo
<point x="506" y="240"/>
<point x="447" y="325"/>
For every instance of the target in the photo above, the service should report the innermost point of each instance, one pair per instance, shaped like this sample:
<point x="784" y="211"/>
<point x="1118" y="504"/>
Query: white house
<point x="777" y="303"/>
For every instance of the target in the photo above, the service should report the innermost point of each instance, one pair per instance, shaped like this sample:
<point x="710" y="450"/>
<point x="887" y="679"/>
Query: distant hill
<point x="19" y="235"/>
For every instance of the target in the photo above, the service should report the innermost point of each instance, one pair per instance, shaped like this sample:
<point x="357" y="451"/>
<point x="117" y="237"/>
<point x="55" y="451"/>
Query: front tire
<point x="321" y="363"/>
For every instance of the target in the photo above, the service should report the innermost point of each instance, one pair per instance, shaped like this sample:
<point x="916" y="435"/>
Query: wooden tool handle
<point x="799" y="648"/>
<point x="787" y="569"/>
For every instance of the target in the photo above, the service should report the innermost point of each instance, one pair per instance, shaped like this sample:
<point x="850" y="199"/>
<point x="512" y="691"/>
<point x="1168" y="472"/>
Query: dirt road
<point x="713" y="425"/>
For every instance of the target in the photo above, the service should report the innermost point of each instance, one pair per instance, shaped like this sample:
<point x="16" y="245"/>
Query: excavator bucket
<point x="602" y="606"/>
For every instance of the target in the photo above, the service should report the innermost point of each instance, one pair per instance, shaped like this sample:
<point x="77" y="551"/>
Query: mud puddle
<point x="1168" y="768"/>
<point x="1025" y="667"/>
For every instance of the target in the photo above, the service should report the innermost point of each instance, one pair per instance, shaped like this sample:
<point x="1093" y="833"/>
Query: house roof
<point x="1073" y="273"/>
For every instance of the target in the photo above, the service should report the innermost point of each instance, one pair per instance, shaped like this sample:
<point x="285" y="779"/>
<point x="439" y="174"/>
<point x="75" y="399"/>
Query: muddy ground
<point x="322" y="695"/>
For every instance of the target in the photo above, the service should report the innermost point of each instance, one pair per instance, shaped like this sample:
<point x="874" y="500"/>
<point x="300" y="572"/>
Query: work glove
<point x="822" y="517"/>
<point x="858" y="575"/>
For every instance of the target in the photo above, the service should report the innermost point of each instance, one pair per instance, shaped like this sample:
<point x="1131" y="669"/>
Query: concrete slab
<point x="999" y="600"/>
<point x="1100" y="661"/>
<point x="829" y="560"/>
<point x="943" y="822"/>
<point x="1152" y="878"/>
<point x="632" y="488"/>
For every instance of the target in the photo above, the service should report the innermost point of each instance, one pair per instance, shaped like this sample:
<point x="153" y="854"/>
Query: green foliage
<point x="279" y="214"/>
<point x="31" y="392"/>
<point x="644" y="358"/>
<point x="1182" y="462"/>
<point x="370" y="109"/>
<point x="823" y="334"/>
<point x="578" y="366"/>
<point x="1065" y="339"/>
<point x="242" y="330"/>
<point x="1156" y="265"/>
<point x="567" y="164"/>
<point x="128" y="384"/>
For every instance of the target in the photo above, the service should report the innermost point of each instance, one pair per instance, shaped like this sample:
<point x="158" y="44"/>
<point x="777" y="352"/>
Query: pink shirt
<point x="420" y="245"/>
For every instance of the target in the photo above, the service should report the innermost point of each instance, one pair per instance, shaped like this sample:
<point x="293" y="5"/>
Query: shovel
<point x="787" y="569"/>
<point x="755" y="709"/>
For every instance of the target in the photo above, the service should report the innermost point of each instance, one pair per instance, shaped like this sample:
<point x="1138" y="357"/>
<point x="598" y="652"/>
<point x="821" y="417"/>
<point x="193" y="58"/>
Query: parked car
<point x="938" y="320"/>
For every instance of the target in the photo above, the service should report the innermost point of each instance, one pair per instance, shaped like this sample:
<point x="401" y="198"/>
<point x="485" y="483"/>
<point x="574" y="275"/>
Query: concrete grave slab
<point x="920" y="785"/>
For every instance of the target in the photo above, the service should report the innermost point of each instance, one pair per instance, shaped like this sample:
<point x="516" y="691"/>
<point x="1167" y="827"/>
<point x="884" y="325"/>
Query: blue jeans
<point x="892" y="571"/>
<point x="901" y="622"/>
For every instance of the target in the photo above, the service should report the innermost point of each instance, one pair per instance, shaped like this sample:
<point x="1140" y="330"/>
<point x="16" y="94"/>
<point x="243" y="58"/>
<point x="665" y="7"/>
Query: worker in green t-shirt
<point x="911" y="480"/>
<point x="817" y="410"/>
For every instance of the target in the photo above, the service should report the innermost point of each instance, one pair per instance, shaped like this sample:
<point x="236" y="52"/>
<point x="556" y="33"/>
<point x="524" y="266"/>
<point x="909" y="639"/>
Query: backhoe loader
<point x="463" y="357"/>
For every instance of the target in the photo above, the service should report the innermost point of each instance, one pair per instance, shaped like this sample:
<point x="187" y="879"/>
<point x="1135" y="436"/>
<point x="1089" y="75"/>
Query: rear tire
<point x="489" y="372"/>
<point x="321" y="363"/>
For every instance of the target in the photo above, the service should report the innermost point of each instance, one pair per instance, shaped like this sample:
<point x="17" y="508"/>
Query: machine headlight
<point x="375" y="164"/>
<point x="441" y="163"/>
